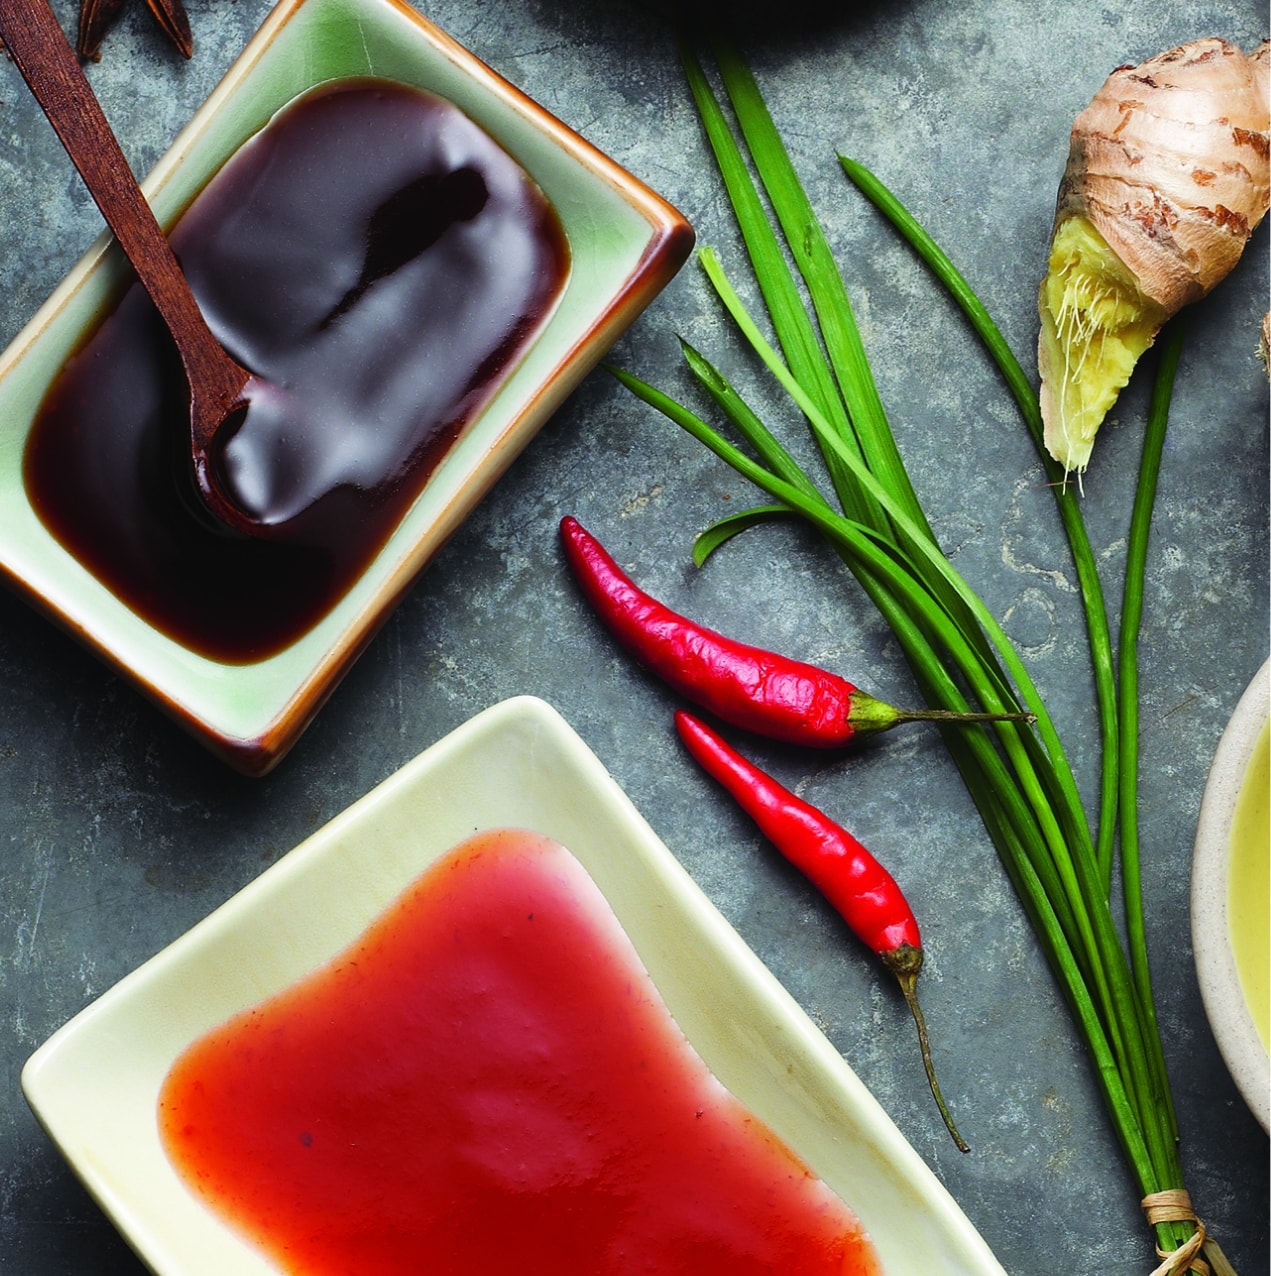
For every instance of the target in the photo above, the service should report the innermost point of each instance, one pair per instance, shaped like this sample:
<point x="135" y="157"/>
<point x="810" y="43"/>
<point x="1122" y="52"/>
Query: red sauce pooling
<point x="381" y="261"/>
<point x="488" y="1082"/>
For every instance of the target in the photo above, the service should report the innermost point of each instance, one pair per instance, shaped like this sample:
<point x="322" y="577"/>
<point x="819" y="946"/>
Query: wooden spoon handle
<point x="48" y="64"/>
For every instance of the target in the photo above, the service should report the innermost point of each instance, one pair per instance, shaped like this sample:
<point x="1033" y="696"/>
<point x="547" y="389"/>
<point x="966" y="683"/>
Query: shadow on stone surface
<point x="742" y="20"/>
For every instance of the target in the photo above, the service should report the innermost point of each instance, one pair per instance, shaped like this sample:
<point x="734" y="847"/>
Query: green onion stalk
<point x="866" y="508"/>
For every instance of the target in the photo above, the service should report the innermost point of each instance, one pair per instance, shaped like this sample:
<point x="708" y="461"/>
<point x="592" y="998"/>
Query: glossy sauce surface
<point x="379" y="260"/>
<point x="488" y="1082"/>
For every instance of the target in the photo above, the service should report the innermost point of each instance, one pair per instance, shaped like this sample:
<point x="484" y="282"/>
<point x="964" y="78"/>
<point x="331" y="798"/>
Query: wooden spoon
<point x="219" y="389"/>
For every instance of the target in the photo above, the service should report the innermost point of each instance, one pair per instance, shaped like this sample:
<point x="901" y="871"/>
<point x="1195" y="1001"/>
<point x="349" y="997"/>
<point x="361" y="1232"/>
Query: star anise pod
<point x="96" y="16"/>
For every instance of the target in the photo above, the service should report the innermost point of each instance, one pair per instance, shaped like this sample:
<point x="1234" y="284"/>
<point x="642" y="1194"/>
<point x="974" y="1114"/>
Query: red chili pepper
<point x="862" y="891"/>
<point x="756" y="690"/>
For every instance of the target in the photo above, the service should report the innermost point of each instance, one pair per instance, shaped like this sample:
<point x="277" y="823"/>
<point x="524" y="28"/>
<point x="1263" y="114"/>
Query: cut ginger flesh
<point x="1095" y="326"/>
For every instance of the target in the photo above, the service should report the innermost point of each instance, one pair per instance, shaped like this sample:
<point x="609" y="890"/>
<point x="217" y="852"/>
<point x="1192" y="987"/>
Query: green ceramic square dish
<point x="95" y="1084"/>
<point x="625" y="243"/>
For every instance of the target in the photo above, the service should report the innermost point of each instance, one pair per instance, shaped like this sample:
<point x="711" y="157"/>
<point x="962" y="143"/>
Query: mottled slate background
<point x="116" y="833"/>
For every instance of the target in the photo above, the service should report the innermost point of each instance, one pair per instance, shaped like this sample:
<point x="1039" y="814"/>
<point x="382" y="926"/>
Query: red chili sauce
<point x="488" y="1082"/>
<point x="379" y="259"/>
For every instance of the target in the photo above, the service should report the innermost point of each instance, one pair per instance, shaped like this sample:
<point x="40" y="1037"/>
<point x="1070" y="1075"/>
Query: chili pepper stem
<point x="869" y="714"/>
<point x="905" y="961"/>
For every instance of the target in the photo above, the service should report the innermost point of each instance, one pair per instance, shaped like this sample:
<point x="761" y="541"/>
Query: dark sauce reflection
<point x="380" y="262"/>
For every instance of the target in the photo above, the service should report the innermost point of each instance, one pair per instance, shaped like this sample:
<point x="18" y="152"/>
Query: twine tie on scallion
<point x="1175" y="1206"/>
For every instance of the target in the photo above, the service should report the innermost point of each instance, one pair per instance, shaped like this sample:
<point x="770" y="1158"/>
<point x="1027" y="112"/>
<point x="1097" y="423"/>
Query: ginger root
<point x="1167" y="177"/>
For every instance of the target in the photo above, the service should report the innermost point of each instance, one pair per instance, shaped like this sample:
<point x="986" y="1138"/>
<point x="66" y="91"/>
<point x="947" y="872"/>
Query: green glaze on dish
<point x="625" y="244"/>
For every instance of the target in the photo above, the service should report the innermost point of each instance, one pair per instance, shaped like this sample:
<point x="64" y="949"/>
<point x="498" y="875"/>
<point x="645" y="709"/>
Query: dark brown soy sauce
<point x="380" y="260"/>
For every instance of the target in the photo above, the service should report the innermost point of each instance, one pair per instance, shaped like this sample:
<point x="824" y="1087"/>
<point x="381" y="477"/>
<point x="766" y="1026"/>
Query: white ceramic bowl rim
<point x="1225" y="1005"/>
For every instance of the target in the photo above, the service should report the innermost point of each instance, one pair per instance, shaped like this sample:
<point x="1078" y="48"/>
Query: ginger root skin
<point x="1167" y="178"/>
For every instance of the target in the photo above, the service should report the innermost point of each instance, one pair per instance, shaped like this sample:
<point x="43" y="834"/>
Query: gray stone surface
<point x="117" y="833"/>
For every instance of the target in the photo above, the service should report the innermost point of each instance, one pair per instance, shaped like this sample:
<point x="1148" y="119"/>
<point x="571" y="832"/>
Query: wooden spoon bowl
<point x="219" y="388"/>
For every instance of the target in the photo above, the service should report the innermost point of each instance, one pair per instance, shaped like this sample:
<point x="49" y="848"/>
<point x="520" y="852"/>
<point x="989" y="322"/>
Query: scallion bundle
<point x="867" y="510"/>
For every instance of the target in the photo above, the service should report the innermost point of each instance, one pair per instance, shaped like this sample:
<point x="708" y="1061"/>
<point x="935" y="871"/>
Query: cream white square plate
<point x="95" y="1084"/>
<point x="625" y="243"/>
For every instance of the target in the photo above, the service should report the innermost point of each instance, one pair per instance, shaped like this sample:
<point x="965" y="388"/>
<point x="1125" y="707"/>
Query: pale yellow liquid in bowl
<point x="1249" y="886"/>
